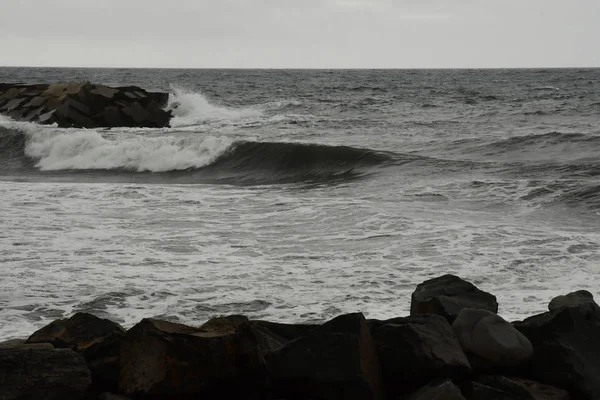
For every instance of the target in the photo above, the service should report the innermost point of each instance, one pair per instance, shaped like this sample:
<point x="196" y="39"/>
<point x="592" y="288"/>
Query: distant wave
<point x="574" y="144"/>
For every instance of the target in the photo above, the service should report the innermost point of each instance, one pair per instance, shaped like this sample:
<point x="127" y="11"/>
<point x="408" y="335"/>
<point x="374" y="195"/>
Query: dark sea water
<point x="299" y="195"/>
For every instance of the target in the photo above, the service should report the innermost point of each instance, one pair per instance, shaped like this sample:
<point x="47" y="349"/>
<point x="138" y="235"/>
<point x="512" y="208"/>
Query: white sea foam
<point x="88" y="149"/>
<point x="193" y="108"/>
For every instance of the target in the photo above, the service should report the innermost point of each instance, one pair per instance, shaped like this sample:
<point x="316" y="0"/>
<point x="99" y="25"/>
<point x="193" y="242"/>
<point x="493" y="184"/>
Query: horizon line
<point x="306" y="68"/>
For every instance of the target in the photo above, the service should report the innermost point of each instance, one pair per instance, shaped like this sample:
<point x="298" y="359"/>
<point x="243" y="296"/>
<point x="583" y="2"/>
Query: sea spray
<point x="193" y="108"/>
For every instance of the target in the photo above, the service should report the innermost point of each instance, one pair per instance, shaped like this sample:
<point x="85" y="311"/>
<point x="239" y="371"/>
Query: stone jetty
<point x="84" y="105"/>
<point x="453" y="346"/>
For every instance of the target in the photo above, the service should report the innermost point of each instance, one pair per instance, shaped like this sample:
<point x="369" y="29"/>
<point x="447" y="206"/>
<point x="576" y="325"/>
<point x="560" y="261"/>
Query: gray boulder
<point x="447" y="295"/>
<point x="574" y="299"/>
<point x="489" y="337"/>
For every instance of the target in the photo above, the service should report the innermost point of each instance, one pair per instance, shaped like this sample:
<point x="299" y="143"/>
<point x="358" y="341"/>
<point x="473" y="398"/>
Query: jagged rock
<point x="285" y="331"/>
<point x="42" y="373"/>
<point x="518" y="388"/>
<point x="489" y="337"/>
<point x="336" y="360"/>
<point x="566" y="349"/>
<point x="502" y="388"/>
<point x="222" y="359"/>
<point x="84" y="105"/>
<point x="447" y="295"/>
<point x="111" y="116"/>
<point x="444" y="390"/>
<point x="574" y="299"/>
<point x="271" y="336"/>
<point x="137" y="113"/>
<point x="412" y="351"/>
<point x="97" y="340"/>
<point x="112" y="396"/>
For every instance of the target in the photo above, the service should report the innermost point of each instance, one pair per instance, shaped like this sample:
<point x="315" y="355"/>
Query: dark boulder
<point x="495" y="387"/>
<point x="334" y="361"/>
<point x="575" y="299"/>
<point x="566" y="344"/>
<point x="111" y="396"/>
<point x="415" y="350"/>
<point x="285" y="331"/>
<point x="495" y="342"/>
<point x="42" y="374"/>
<point x="447" y="295"/>
<point x="271" y="335"/>
<point x="97" y="340"/>
<point x="222" y="359"/>
<point x="441" y="390"/>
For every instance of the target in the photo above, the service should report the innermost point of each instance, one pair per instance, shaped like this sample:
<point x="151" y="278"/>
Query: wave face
<point x="193" y="158"/>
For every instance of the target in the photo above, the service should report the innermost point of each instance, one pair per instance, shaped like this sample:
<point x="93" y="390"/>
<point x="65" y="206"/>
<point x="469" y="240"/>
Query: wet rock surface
<point x="447" y="295"/>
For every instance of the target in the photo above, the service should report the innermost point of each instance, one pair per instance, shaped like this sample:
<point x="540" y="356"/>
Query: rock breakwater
<point x="84" y="105"/>
<point x="456" y="348"/>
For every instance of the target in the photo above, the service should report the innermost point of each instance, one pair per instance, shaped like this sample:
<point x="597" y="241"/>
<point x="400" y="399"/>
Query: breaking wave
<point x="195" y="158"/>
<point x="193" y="108"/>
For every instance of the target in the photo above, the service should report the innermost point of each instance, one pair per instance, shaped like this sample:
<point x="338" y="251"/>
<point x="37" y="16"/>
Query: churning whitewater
<point x="300" y="195"/>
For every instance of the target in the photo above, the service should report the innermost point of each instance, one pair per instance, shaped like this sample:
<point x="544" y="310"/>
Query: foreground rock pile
<point x="84" y="105"/>
<point x="453" y="346"/>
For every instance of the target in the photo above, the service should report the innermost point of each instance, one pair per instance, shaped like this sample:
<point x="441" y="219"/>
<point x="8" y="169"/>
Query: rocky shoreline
<point x="84" y="105"/>
<point x="453" y="346"/>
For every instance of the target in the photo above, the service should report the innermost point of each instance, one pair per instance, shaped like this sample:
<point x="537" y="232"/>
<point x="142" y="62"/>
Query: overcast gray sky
<point x="300" y="34"/>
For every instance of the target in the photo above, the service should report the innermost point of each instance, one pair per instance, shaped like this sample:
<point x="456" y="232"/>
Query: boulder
<point x="442" y="390"/>
<point x="566" y="343"/>
<point x="111" y="116"/>
<point x="415" y="350"/>
<point x="97" y="340"/>
<point x="111" y="396"/>
<point x="489" y="337"/>
<point x="271" y="335"/>
<point x="575" y="299"/>
<point x="84" y="105"/>
<point x="42" y="373"/>
<point x="523" y="388"/>
<point x="12" y="342"/>
<point x="502" y="388"/>
<point x="221" y="359"/>
<point x="286" y="332"/>
<point x="447" y="295"/>
<point x="334" y="361"/>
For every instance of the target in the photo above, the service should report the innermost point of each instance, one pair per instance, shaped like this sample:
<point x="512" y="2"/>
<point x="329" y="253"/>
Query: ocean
<point x="298" y="195"/>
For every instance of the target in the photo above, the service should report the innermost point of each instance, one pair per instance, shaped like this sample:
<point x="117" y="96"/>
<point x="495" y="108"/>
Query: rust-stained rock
<point x="337" y="360"/>
<point x="97" y="340"/>
<point x="221" y="359"/>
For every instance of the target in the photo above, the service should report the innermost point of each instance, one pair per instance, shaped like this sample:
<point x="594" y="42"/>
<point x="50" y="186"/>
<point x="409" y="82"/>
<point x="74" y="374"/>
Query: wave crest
<point x="88" y="149"/>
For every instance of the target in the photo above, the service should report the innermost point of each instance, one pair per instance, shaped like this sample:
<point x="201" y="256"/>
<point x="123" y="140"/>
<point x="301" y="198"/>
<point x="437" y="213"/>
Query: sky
<point x="300" y="33"/>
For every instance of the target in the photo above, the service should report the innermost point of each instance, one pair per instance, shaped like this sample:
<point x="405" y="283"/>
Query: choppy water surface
<point x="299" y="195"/>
